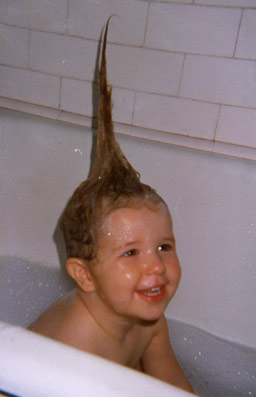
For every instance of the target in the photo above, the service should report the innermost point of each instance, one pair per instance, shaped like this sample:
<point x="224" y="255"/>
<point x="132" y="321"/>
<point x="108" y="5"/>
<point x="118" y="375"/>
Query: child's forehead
<point x="132" y="203"/>
<point x="140" y="216"/>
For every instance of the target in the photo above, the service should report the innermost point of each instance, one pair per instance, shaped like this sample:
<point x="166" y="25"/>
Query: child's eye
<point x="131" y="252"/>
<point x="165" y="247"/>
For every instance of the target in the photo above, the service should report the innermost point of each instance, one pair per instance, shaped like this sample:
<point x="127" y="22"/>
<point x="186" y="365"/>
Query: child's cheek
<point x="128" y="276"/>
<point x="176" y="274"/>
<point x="179" y="270"/>
<point x="124" y="271"/>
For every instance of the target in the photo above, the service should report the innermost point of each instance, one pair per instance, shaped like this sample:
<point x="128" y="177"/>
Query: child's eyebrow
<point x="136" y="242"/>
<point x="128" y="244"/>
<point x="168" y="239"/>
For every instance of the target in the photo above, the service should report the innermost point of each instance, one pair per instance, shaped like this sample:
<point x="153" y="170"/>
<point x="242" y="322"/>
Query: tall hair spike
<point x="113" y="182"/>
<point x="109" y="156"/>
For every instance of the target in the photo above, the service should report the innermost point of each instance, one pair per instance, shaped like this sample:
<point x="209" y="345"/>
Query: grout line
<point x="177" y="96"/>
<point x="217" y="123"/>
<point x="29" y="40"/>
<point x="146" y="26"/>
<point x="231" y="6"/>
<point x="133" y="110"/>
<point x="67" y="18"/>
<point x="60" y="91"/>
<point x="238" y="33"/>
<point x="181" y="76"/>
<point x="169" y="138"/>
<point x="133" y="45"/>
<point x="200" y="4"/>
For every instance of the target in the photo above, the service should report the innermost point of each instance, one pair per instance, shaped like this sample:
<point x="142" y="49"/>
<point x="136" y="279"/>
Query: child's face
<point x="137" y="271"/>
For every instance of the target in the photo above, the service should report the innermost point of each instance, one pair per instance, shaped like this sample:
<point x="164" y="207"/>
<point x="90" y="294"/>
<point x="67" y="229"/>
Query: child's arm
<point x="159" y="360"/>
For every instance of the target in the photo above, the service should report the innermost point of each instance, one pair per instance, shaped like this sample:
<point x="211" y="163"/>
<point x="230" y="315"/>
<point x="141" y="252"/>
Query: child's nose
<point x="154" y="264"/>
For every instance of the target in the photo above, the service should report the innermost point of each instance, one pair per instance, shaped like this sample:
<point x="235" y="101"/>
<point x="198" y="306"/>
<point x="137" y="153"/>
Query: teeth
<point x="154" y="291"/>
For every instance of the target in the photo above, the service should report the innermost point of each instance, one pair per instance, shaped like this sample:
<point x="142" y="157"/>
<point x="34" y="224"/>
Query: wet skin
<point x="117" y="310"/>
<point x="138" y="271"/>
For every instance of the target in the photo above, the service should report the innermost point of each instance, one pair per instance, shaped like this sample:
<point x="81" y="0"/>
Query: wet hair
<point x="113" y="182"/>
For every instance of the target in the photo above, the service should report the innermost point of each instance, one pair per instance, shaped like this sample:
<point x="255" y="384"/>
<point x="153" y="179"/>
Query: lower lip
<point x="153" y="298"/>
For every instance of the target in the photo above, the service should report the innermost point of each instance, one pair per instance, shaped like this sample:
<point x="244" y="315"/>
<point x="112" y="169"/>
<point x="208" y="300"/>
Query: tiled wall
<point x="183" y="71"/>
<point x="211" y="198"/>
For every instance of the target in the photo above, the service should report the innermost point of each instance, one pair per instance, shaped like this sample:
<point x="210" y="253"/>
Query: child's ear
<point x="78" y="269"/>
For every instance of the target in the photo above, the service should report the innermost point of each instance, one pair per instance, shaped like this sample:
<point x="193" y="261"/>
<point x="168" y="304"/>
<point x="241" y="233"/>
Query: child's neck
<point x="113" y="325"/>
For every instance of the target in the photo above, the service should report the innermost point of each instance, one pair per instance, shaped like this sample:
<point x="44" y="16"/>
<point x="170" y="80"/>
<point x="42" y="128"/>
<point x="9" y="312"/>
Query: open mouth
<point x="154" y="294"/>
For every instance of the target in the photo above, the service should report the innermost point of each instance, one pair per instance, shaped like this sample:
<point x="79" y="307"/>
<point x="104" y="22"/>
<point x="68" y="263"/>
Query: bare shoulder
<point x="159" y="359"/>
<point x="65" y="321"/>
<point x="52" y="317"/>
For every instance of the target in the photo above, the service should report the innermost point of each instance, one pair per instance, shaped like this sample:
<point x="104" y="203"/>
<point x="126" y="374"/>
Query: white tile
<point x="234" y="150"/>
<point x="35" y="14"/>
<point x="29" y="86"/>
<point x="123" y="105"/>
<point x="235" y="3"/>
<point x="246" y="45"/>
<point x="25" y="107"/>
<point x="225" y="81"/>
<point x="175" y="115"/>
<point x="88" y="17"/>
<point x="144" y="69"/>
<point x="193" y="29"/>
<point x="82" y="98"/>
<point x="76" y="97"/>
<point x="128" y="67"/>
<point x="168" y="138"/>
<point x="237" y="125"/>
<point x="62" y="55"/>
<point x="14" y="46"/>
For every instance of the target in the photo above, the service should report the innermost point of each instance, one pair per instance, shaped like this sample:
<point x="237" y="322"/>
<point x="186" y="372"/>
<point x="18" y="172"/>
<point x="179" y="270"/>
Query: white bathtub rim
<point x="64" y="371"/>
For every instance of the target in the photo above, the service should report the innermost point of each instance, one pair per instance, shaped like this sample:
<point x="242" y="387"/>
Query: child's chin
<point x="153" y="317"/>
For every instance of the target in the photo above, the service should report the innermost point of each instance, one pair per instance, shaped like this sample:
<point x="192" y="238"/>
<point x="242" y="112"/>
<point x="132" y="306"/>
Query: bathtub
<point x="214" y="366"/>
<point x="32" y="365"/>
<point x="211" y="321"/>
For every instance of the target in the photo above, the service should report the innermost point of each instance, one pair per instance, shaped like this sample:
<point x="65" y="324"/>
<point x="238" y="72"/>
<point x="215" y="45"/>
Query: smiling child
<point x="122" y="255"/>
